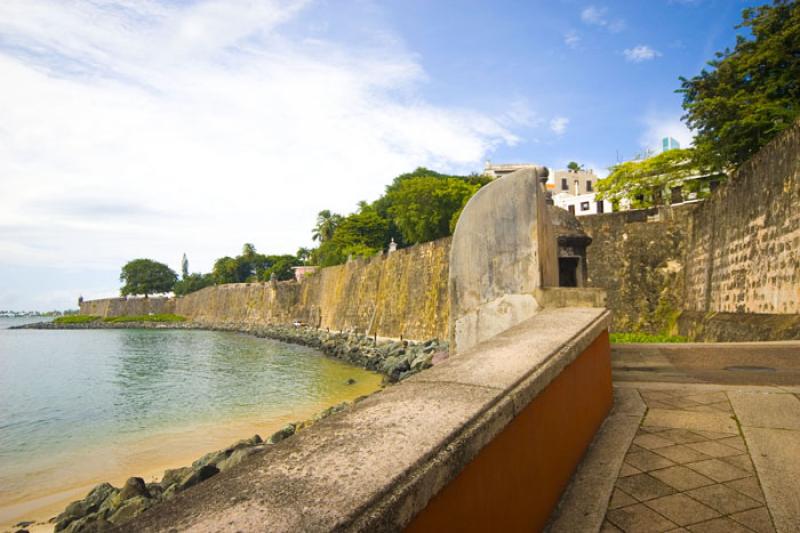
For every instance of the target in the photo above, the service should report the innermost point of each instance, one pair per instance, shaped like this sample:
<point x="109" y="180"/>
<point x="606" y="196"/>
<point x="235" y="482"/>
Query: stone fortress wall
<point x="724" y="269"/>
<point x="402" y="294"/>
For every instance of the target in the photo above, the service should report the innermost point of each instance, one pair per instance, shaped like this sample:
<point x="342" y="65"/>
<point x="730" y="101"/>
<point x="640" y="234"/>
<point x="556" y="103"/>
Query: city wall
<point x="724" y="269"/>
<point x="402" y="294"/>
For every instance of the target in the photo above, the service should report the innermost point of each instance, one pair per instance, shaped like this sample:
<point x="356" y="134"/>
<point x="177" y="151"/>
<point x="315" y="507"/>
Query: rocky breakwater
<point x="395" y="359"/>
<point x="106" y="506"/>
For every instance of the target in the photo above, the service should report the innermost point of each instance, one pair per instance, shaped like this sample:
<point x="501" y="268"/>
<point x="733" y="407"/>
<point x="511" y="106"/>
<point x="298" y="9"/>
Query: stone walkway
<point x="699" y="458"/>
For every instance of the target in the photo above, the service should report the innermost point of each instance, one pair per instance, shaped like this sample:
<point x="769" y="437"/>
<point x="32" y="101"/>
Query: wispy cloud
<point x="558" y="125"/>
<point x="640" y="53"/>
<point x="572" y="39"/>
<point x="213" y="112"/>
<point x="598" y="16"/>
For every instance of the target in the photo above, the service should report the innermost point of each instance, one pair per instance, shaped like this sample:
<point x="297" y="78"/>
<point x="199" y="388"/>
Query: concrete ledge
<point x="377" y="466"/>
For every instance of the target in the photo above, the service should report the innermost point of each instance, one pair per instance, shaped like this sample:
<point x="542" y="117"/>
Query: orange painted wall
<point x="517" y="479"/>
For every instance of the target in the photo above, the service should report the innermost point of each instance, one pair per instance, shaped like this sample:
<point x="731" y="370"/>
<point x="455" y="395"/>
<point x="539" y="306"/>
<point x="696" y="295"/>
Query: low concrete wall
<point x="518" y="409"/>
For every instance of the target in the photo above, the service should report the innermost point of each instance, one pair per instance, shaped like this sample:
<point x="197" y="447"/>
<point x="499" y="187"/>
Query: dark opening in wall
<point x="567" y="271"/>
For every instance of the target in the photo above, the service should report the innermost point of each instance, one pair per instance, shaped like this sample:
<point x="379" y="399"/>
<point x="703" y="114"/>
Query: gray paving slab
<point x="718" y="422"/>
<point x="776" y="455"/>
<point x="765" y="410"/>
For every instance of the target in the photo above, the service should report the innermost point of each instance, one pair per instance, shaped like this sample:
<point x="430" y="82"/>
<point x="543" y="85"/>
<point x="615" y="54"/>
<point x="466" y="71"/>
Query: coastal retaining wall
<point x="402" y="294"/>
<point x="724" y="269"/>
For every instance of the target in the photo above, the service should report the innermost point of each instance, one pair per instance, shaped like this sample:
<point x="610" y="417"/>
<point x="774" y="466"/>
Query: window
<point x="589" y="186"/>
<point x="564" y="185"/>
<point x="584" y="206"/>
<point x="601" y="207"/>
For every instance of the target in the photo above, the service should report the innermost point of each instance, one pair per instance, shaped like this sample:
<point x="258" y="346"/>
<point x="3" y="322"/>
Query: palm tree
<point x="326" y="225"/>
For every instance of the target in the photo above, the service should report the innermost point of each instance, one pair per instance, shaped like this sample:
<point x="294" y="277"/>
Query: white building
<point x="581" y="204"/>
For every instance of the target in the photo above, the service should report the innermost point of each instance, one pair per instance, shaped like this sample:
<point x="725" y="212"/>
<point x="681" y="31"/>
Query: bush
<point x="76" y="319"/>
<point x="629" y="338"/>
<point x="165" y="317"/>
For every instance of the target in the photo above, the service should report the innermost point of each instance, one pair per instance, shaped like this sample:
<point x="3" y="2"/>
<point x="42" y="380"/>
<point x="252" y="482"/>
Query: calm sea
<point x="82" y="406"/>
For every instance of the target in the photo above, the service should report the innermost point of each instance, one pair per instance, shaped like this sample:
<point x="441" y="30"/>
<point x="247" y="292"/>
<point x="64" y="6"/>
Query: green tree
<point x="303" y="255"/>
<point x="423" y="208"/>
<point x="229" y="270"/>
<point x="281" y="266"/>
<point x="643" y="183"/>
<point x="326" y="225"/>
<point x="145" y="276"/>
<point x="193" y="282"/>
<point x="361" y="234"/>
<point x="574" y="166"/>
<point x="751" y="93"/>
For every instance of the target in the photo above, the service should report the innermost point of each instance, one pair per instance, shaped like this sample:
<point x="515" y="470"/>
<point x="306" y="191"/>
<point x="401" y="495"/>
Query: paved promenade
<point x="691" y="456"/>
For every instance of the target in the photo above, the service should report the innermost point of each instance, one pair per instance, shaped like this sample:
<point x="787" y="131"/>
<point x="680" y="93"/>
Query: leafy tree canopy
<point x="640" y="181"/>
<point x="425" y="208"/>
<point x="574" y="166"/>
<point x="145" y="276"/>
<point x="750" y="93"/>
<point x="326" y="225"/>
<point x="193" y="282"/>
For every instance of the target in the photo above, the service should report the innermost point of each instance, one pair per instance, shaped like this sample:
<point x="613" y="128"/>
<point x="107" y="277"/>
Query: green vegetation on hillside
<point x="76" y="319"/>
<point x="164" y="317"/>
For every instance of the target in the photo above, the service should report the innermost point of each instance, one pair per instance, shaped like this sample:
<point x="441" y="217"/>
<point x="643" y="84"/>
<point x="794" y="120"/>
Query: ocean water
<point x="82" y="406"/>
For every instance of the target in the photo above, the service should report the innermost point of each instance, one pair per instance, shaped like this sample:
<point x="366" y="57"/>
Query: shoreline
<point x="394" y="359"/>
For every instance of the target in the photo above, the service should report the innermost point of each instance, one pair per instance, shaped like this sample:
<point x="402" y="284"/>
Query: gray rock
<point x="238" y="456"/>
<point x="283" y="433"/>
<point x="131" y="508"/>
<point x="173" y="476"/>
<point x="133" y="487"/>
<point x="196" y="476"/>
<point x="81" y="508"/>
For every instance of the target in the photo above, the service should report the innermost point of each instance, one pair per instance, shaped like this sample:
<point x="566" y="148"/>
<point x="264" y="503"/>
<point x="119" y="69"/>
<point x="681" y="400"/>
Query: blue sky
<point x="149" y="129"/>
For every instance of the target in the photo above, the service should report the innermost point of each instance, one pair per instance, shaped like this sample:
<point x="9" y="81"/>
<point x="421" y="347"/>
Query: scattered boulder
<point x="196" y="476"/>
<point x="133" y="487"/>
<point x="283" y="433"/>
<point x="238" y="456"/>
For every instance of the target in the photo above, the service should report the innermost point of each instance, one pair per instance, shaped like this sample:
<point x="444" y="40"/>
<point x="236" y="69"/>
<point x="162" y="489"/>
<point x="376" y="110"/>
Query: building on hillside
<point x="301" y="272"/>
<point x="668" y="143"/>
<point x="571" y="190"/>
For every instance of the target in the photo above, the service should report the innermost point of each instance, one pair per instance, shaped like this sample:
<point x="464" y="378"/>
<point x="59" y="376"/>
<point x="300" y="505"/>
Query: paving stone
<point x="701" y="409"/>
<point x="756" y="409"/>
<point x="681" y="478"/>
<point x="640" y="519"/>
<point x="681" y="454"/>
<point x="644" y="487"/>
<point x="646" y="460"/>
<point x="652" y="441"/>
<point x="723" y="407"/>
<point x="734" y="442"/>
<point x="635" y="448"/>
<point x="708" y="397"/>
<point x="718" y="470"/>
<point x="628" y="470"/>
<point x="749" y="487"/>
<point x="712" y="435"/>
<point x="720" y="423"/>
<point x="653" y="429"/>
<point x="756" y="519"/>
<point x="620" y="499"/>
<point x="681" y="403"/>
<point x="713" y="448"/>
<point x="683" y="436"/>
<point x="740" y="461"/>
<point x="723" y="499"/>
<point x="718" y="525"/>
<point x="608" y="527"/>
<point x="682" y="510"/>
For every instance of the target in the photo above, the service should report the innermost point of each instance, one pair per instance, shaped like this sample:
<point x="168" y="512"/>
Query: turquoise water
<point x="79" y="406"/>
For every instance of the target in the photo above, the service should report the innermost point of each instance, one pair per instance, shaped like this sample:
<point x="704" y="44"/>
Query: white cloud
<point x="598" y="16"/>
<point x="658" y="125"/>
<point x="136" y="129"/>
<point x="558" y="125"/>
<point x="640" y="53"/>
<point x="572" y="39"/>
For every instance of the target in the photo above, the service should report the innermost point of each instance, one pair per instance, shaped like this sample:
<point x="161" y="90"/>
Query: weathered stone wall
<point x="639" y="258"/>
<point x="399" y="294"/>
<point x="127" y="306"/>
<point x="728" y="268"/>
<point x="746" y="238"/>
